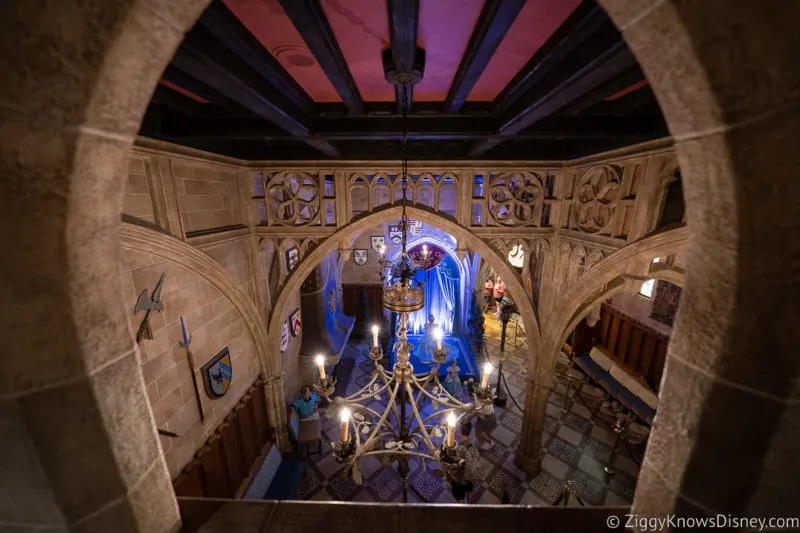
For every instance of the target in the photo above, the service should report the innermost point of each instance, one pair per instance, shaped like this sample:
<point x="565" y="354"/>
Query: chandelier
<point x="398" y="431"/>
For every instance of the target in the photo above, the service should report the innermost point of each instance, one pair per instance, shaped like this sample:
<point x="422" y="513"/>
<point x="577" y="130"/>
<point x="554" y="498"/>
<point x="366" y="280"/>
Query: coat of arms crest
<point x="378" y="243"/>
<point x="294" y="320"/>
<point x="360" y="257"/>
<point x="217" y="374"/>
<point x="395" y="233"/>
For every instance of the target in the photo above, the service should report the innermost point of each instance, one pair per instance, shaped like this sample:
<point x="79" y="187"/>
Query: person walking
<point x="488" y="294"/>
<point x="499" y="292"/>
<point x="486" y="423"/>
<point x="463" y="482"/>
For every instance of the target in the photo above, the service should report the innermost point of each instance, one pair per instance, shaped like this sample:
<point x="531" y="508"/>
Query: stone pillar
<point x="314" y="311"/>
<point x="273" y="391"/>
<point x="528" y="456"/>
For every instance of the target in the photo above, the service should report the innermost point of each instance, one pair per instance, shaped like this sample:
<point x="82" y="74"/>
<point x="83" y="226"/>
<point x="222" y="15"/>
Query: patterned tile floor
<point x="577" y="445"/>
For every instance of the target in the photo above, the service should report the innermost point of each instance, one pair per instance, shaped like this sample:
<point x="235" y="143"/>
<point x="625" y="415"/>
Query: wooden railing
<point x="637" y="348"/>
<point x="224" y="465"/>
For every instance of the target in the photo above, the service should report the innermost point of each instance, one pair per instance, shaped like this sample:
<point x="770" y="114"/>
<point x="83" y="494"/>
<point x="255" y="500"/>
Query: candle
<point x="451" y="429"/>
<point x="375" y="336"/>
<point x="424" y="249"/>
<point x="438" y="334"/>
<point x="487" y="369"/>
<point x="344" y="416"/>
<point x="320" y="360"/>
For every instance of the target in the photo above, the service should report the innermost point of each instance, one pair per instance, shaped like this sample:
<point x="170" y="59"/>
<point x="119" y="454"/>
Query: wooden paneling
<point x="224" y="464"/>
<point x="633" y="346"/>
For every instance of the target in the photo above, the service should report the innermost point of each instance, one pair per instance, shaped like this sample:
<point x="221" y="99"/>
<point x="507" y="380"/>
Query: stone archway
<point x="428" y="216"/>
<point x="78" y="430"/>
<point x="79" y="78"/>
<point x="630" y="264"/>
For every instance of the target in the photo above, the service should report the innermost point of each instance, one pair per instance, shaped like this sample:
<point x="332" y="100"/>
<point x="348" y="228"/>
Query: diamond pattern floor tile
<point x="577" y="443"/>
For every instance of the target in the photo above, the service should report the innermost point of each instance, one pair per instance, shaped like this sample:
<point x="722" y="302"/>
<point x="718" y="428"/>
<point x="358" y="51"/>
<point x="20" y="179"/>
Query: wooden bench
<point x="619" y="383"/>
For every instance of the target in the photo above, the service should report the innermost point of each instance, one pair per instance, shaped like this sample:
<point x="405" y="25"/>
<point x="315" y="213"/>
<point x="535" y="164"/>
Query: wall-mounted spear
<point x="187" y="340"/>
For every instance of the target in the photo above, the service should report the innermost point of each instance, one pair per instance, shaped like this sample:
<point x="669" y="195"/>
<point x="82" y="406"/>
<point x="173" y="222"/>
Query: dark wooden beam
<point x="403" y="26"/>
<point x="598" y="94"/>
<point x="223" y="71"/>
<point x="580" y="26"/>
<point x="225" y="26"/>
<point x="198" y="88"/>
<point x="309" y="19"/>
<point x="164" y="96"/>
<point x="420" y="128"/>
<point x="608" y="65"/>
<point x="495" y="20"/>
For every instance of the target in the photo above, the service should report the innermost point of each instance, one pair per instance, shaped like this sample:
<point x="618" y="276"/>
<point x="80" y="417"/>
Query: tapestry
<point x="665" y="302"/>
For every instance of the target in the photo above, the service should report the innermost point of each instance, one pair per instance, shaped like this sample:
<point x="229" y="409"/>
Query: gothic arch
<point x="427" y="216"/>
<point x="607" y="277"/>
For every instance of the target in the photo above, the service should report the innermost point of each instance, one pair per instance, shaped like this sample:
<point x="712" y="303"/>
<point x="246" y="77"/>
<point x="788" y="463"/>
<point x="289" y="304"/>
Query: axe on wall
<point x="187" y="340"/>
<point x="149" y="304"/>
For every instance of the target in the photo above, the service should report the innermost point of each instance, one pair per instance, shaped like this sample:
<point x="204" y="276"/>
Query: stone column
<point x="314" y="311"/>
<point x="528" y="452"/>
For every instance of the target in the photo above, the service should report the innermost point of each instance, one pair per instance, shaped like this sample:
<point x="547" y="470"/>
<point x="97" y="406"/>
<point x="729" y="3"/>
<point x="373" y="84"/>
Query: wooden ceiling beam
<point x="198" y="88"/>
<point x="429" y="128"/>
<point x="630" y="77"/>
<point x="580" y="26"/>
<point x="608" y="65"/>
<point x="224" y="72"/>
<point x="403" y="27"/>
<point x="494" y="22"/>
<point x="229" y="30"/>
<point x="310" y="20"/>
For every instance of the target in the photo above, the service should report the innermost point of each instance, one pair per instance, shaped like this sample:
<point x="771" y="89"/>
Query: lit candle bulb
<point x="344" y="416"/>
<point x="451" y="429"/>
<point x="375" y="336"/>
<point x="320" y="360"/>
<point x="382" y="250"/>
<point x="424" y="249"/>
<point x="438" y="334"/>
<point x="487" y="369"/>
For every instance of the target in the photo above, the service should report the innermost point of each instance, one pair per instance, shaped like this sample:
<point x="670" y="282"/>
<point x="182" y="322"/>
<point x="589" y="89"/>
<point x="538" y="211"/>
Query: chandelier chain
<point x="404" y="161"/>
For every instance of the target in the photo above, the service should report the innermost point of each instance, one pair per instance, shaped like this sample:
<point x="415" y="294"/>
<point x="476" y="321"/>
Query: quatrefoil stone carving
<point x="596" y="198"/>
<point x="295" y="199"/>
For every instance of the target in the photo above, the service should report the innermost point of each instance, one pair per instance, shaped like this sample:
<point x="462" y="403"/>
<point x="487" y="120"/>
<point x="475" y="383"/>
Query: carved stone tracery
<point x="515" y="198"/>
<point x="293" y="199"/>
<point x="596" y="198"/>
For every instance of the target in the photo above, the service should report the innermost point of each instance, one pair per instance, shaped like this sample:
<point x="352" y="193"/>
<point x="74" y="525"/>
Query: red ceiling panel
<point x="267" y="21"/>
<point x="362" y="29"/>
<point x="183" y="91"/>
<point x="537" y="21"/>
<point x="627" y="90"/>
<point x="445" y="27"/>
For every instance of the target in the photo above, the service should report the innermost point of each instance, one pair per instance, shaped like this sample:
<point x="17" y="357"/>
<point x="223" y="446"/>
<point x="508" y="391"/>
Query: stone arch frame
<point x="74" y="103"/>
<point x="427" y="216"/>
<point x="610" y="274"/>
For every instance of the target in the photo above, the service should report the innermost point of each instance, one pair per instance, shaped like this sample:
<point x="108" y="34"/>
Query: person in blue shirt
<point x="306" y="406"/>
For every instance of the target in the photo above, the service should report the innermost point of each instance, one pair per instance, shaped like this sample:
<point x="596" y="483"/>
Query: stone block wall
<point x="232" y="256"/>
<point x="213" y="324"/>
<point x="207" y="197"/>
<point x="138" y="202"/>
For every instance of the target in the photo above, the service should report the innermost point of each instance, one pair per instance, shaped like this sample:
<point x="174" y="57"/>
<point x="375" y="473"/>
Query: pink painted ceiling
<point x="362" y="29"/>
<point x="537" y="21"/>
<point x="183" y="91"/>
<point x="628" y="90"/>
<point x="445" y="27"/>
<point x="267" y="21"/>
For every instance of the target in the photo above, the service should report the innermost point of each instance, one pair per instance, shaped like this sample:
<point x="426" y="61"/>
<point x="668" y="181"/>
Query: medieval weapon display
<point x="187" y="340"/>
<point x="149" y="304"/>
<point x="169" y="434"/>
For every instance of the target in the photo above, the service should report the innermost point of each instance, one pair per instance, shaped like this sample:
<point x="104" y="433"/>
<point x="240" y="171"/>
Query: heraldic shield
<point x="217" y="374"/>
